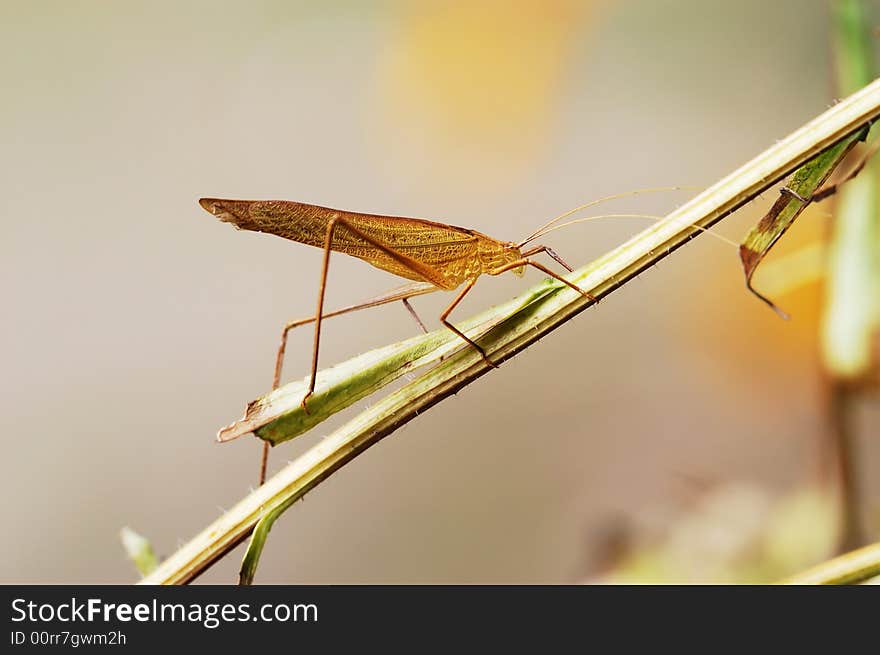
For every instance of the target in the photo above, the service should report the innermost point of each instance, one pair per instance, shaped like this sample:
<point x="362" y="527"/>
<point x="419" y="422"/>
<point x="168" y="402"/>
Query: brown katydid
<point x="434" y="256"/>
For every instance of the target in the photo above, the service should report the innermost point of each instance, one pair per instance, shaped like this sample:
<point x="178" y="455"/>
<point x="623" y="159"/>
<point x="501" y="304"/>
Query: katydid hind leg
<point x="402" y="293"/>
<point x="398" y="293"/>
<point x="422" y="270"/>
<point x="279" y="358"/>
<point x="264" y="462"/>
<point x="319" y="312"/>
<point x="428" y="275"/>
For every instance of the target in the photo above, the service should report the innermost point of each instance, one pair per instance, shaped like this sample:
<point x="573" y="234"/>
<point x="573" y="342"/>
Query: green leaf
<point x="139" y="551"/>
<point x="795" y="197"/>
<point x="854" y="70"/>
<point x="251" y="558"/>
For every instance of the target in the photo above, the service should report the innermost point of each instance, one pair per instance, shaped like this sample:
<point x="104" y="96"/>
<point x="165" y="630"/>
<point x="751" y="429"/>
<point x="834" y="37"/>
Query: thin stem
<point x="850" y="317"/>
<point x="841" y="410"/>
<point x="852" y="568"/>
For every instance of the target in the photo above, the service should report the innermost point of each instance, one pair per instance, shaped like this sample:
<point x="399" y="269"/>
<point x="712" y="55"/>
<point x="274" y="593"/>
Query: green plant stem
<point x="851" y="568"/>
<point x="527" y="326"/>
<point x="841" y="409"/>
<point x="852" y="280"/>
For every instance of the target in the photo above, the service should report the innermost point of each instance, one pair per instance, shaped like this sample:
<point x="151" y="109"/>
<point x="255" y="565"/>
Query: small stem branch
<point x="525" y="326"/>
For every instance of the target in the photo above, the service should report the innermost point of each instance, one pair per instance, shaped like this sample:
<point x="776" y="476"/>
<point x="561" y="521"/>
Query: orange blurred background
<point x="136" y="324"/>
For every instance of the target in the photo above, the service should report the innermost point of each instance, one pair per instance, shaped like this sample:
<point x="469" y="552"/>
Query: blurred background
<point x="677" y="432"/>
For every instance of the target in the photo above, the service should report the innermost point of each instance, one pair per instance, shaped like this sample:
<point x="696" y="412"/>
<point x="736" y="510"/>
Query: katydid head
<point x="236" y="212"/>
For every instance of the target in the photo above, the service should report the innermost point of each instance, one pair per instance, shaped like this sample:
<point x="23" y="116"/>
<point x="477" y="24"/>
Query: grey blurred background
<point x="135" y="324"/>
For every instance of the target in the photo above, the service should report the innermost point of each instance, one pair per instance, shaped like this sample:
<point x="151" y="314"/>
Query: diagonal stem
<point x="854" y="567"/>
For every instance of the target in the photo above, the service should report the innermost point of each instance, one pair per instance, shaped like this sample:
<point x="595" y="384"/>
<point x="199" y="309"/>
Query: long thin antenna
<point x="653" y="217"/>
<point x="599" y="201"/>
